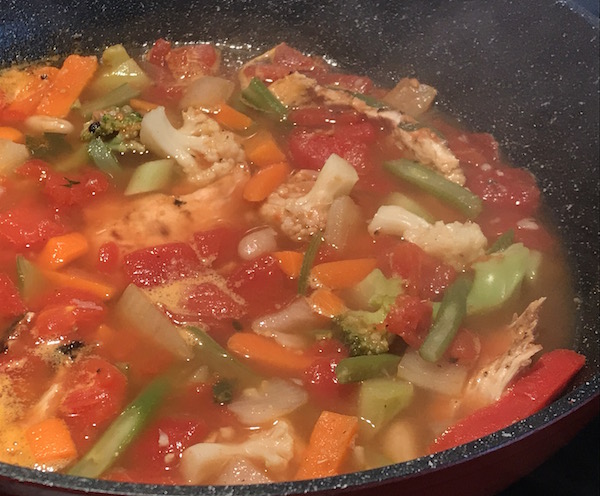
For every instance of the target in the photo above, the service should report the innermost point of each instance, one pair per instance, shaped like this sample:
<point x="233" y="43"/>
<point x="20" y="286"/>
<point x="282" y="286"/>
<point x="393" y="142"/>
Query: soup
<point x="222" y="268"/>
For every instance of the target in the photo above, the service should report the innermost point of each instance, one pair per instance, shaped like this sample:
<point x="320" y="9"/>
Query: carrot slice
<point x="11" y="134"/>
<point x="60" y="250"/>
<point x="26" y="101"/>
<point x="50" y="441"/>
<point x="343" y="273"/>
<point x="324" y="302"/>
<point x="229" y="117"/>
<point x="75" y="73"/>
<point x="142" y="106"/>
<point x="268" y="353"/>
<point x="264" y="182"/>
<point x="290" y="262"/>
<point x="100" y="289"/>
<point x="262" y="149"/>
<point x="331" y="440"/>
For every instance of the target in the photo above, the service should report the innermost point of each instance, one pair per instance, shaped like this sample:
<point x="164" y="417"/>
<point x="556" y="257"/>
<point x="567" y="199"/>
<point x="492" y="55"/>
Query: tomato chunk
<point x="211" y="303"/>
<point x="409" y="318"/>
<point x="218" y="245"/>
<point x="29" y="225"/>
<point x="12" y="304"/>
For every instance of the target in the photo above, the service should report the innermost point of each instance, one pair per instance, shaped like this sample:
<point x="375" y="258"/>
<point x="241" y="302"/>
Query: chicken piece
<point x="159" y="218"/>
<point x="294" y="90"/>
<point x="490" y="381"/>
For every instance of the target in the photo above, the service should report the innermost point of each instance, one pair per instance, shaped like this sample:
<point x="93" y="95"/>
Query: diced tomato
<point x="29" y="225"/>
<point x="157" y="54"/>
<point x="283" y="54"/>
<point x="323" y="116"/>
<point x="426" y="276"/>
<point x="108" y="257"/>
<point x="262" y="283"/>
<point x="211" y="303"/>
<point x="95" y="394"/>
<point x="12" y="304"/>
<point x="464" y="347"/>
<point x="160" y="264"/>
<point x="322" y="384"/>
<point x="159" y="448"/>
<point x="55" y="322"/>
<point x="27" y="372"/>
<point x="409" y="318"/>
<point x="504" y="187"/>
<point x="470" y="148"/>
<point x="218" y="245"/>
<point x="328" y="348"/>
<point x="267" y="72"/>
<point x="191" y="61"/>
<point x="165" y="89"/>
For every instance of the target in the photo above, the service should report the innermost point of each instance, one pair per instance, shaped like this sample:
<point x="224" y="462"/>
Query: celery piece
<point x="360" y="368"/>
<point x="409" y="204"/>
<point x="447" y="321"/>
<point x="257" y="96"/>
<point x="123" y="430"/>
<point x="150" y="176"/>
<point x="116" y="97"/>
<point x="503" y="242"/>
<point x="219" y="361"/>
<point x="30" y="278"/>
<point x="307" y="262"/>
<point x="121" y="69"/>
<point x="114" y="55"/>
<point x="428" y="180"/>
<point x="379" y="401"/>
<point x="499" y="277"/>
<point x="103" y="158"/>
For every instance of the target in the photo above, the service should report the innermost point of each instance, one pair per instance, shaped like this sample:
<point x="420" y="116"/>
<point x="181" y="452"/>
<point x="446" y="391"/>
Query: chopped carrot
<point x="268" y="353"/>
<point x="142" y="106"/>
<point x="11" y="134"/>
<point x="262" y="149"/>
<point x="100" y="289"/>
<point x="75" y="73"/>
<point x="29" y="96"/>
<point x="118" y="345"/>
<point x="290" y="262"/>
<point x="324" y="302"/>
<point x="50" y="441"/>
<point x="343" y="273"/>
<point x="60" y="250"/>
<point x="331" y="440"/>
<point x="231" y="118"/>
<point x="264" y="182"/>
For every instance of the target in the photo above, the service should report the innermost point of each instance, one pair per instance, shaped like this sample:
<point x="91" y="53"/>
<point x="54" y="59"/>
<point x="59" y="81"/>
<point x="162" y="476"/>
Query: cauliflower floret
<point x="488" y="383"/>
<point x="293" y="90"/>
<point x="299" y="207"/>
<point x="456" y="243"/>
<point x="273" y="449"/>
<point x="203" y="150"/>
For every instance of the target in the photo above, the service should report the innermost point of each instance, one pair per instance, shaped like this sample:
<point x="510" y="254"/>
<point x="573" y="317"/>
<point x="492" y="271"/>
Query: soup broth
<point x="219" y="267"/>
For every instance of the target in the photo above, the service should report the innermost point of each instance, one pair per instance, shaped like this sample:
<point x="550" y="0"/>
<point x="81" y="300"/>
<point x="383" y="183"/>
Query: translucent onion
<point x="411" y="97"/>
<point x="207" y="92"/>
<point x="257" y="242"/>
<point x="298" y="316"/>
<point x="275" y="398"/>
<point x="343" y="219"/>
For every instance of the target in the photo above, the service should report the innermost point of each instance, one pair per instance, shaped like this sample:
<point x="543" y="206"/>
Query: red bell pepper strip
<point x="529" y="394"/>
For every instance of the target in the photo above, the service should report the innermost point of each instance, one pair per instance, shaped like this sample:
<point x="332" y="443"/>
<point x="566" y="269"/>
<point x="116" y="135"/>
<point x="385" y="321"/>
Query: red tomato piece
<point x="322" y="384"/>
<point x="218" y="245"/>
<point x="160" y="264"/>
<point x="94" y="395"/>
<point x="29" y="225"/>
<point x="55" y="322"/>
<point x="212" y="303"/>
<point x="192" y="61"/>
<point x="283" y="54"/>
<point x="262" y="283"/>
<point x="409" y="318"/>
<point x="12" y="304"/>
<point x="464" y="347"/>
<point x="157" y="54"/>
<point x="324" y="116"/>
<point x="108" y="257"/>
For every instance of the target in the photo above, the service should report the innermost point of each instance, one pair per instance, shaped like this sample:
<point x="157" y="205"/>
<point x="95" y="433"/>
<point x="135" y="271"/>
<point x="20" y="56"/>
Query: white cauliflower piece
<point x="272" y="448"/>
<point x="204" y="151"/>
<point x="489" y="382"/>
<point x="456" y="243"/>
<point x="299" y="207"/>
<point x="293" y="90"/>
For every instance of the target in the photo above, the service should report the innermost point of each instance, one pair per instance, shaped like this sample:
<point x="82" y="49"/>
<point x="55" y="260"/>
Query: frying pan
<point x="525" y="71"/>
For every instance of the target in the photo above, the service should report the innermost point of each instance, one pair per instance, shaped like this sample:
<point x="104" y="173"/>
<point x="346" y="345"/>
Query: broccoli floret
<point x="364" y="332"/>
<point x="119" y="127"/>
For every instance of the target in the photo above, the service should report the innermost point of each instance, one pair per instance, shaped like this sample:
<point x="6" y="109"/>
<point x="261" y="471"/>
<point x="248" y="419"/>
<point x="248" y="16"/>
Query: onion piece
<point x="206" y="92"/>
<point x="298" y="316"/>
<point x="137" y="310"/>
<point x="411" y="97"/>
<point x="446" y="378"/>
<point x="343" y="220"/>
<point x="11" y="155"/>
<point x="257" y="242"/>
<point x="275" y="398"/>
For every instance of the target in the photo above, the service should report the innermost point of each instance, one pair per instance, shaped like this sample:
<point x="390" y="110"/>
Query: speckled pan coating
<point x="525" y="71"/>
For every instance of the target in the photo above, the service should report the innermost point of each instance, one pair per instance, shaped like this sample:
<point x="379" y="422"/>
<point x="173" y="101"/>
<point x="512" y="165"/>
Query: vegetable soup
<point x="223" y="268"/>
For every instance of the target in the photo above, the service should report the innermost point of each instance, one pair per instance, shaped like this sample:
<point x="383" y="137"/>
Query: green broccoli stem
<point x="103" y="158"/>
<point x="360" y="368"/>
<point x="448" y="320"/>
<point x="114" y="98"/>
<point x="257" y="96"/>
<point x="124" y="429"/>
<point x="430" y="181"/>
